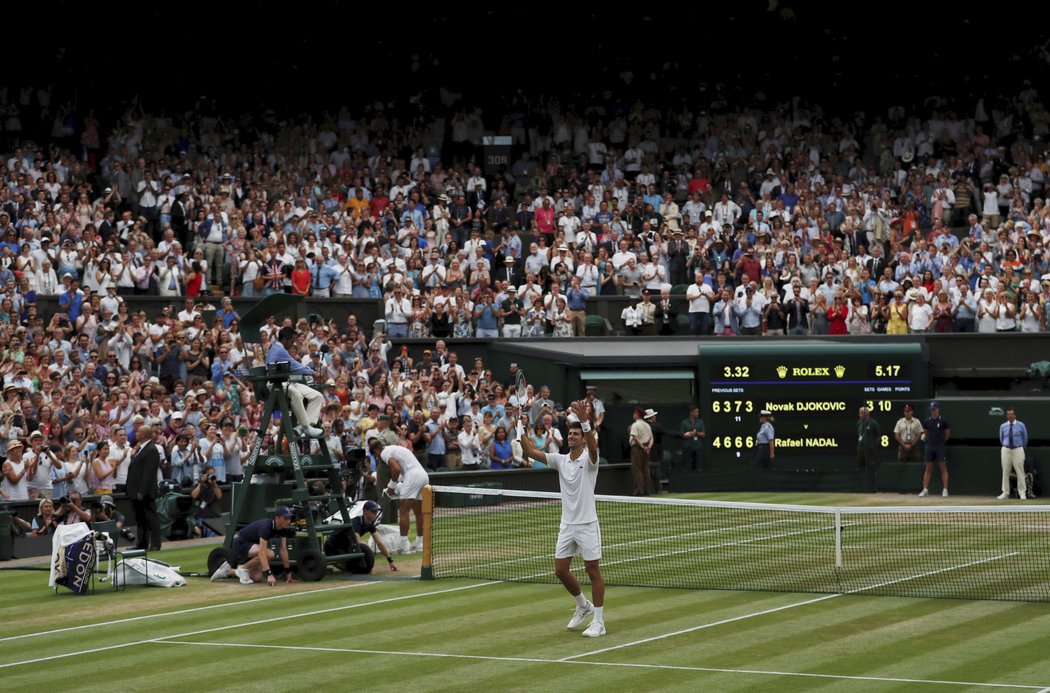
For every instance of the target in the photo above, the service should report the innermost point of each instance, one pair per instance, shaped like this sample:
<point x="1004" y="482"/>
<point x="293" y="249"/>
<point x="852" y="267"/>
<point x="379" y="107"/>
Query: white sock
<point x="581" y="600"/>
<point x="598" y="618"/>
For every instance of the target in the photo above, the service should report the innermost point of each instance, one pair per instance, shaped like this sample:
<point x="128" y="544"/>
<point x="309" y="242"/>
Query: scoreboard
<point x="813" y="390"/>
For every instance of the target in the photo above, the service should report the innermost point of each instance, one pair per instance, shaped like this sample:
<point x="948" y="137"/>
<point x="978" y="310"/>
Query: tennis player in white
<point x="404" y="468"/>
<point x="579" y="532"/>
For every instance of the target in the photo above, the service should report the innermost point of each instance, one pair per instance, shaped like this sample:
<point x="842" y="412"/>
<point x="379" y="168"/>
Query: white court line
<point x="783" y="608"/>
<point x="701" y="627"/>
<point x="931" y="572"/>
<point x="535" y="660"/>
<point x="245" y="624"/>
<point x="185" y="611"/>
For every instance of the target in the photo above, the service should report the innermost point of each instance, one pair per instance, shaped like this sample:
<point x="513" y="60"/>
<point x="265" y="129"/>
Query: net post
<point x="838" y="538"/>
<point x="426" y="571"/>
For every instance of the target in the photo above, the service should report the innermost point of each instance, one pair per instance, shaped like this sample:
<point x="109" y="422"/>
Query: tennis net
<point x="977" y="552"/>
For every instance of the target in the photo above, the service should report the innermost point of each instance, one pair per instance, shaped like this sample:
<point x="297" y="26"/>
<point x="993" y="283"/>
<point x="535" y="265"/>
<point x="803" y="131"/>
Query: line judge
<point x="765" y="440"/>
<point x="1013" y="437"/>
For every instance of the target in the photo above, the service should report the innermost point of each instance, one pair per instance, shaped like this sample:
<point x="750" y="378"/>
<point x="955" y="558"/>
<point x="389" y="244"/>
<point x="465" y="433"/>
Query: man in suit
<point x="508" y="271"/>
<point x="677" y="255"/>
<point x="665" y="316"/>
<point x="142" y="489"/>
<point x="877" y="264"/>
<point x="796" y="310"/>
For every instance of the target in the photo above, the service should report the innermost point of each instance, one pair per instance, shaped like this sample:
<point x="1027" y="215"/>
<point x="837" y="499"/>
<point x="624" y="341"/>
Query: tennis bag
<point x="147" y="571"/>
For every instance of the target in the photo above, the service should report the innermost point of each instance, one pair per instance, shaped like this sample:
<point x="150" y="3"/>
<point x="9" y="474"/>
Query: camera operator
<point x="359" y="479"/>
<point x="45" y="521"/>
<point x="254" y="553"/>
<point x="19" y="527"/>
<point x="206" y="495"/>
<point x="70" y="509"/>
<point x="105" y="510"/>
<point x="365" y="523"/>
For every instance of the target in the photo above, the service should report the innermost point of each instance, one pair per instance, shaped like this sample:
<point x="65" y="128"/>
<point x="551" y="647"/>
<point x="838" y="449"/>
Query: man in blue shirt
<point x="364" y="517"/>
<point x="321" y="276"/>
<point x="305" y="401"/>
<point x="435" y="434"/>
<point x="71" y="299"/>
<point x="254" y="553"/>
<point x="1013" y="437"/>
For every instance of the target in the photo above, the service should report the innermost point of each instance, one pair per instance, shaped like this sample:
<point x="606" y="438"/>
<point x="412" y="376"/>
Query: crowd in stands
<point x="736" y="221"/>
<point x="80" y="418"/>
<point x="891" y="214"/>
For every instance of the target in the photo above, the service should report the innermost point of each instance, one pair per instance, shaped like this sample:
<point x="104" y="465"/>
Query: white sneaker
<point x="309" y="431"/>
<point x="1002" y="496"/>
<point x="244" y="576"/>
<point x="417" y="545"/>
<point x="222" y="572"/>
<point x="404" y="546"/>
<point x="944" y="493"/>
<point x="581" y="613"/>
<point x="923" y="493"/>
<point x="595" y="630"/>
<point x="1024" y="497"/>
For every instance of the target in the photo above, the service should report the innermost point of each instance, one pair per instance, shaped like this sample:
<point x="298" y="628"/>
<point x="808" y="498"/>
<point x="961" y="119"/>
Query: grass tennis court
<point x="458" y="634"/>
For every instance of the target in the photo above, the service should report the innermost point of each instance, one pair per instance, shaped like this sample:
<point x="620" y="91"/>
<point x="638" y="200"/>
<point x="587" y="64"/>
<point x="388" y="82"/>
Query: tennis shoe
<point x="581" y="613"/>
<point x="595" y="630"/>
<point x="404" y="546"/>
<point x="244" y="576"/>
<point x="417" y="545"/>
<point x="308" y="432"/>
<point x="923" y="493"/>
<point x="944" y="493"/>
<point x="1024" y="497"/>
<point x="1002" y="496"/>
<point x="221" y="572"/>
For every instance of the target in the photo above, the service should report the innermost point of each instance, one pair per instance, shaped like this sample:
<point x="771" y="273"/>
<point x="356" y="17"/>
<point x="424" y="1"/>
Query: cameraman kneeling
<point x="254" y="554"/>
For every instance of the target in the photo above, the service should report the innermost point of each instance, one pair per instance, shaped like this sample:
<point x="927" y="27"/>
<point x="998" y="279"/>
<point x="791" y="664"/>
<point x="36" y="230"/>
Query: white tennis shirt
<point x="577" y="479"/>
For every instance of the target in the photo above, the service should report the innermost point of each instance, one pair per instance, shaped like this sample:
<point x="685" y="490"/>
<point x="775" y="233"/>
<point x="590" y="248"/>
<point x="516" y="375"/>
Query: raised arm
<point x="527" y="446"/>
<point x="579" y="408"/>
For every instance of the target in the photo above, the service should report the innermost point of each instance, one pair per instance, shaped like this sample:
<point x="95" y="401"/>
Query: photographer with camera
<point x="41" y="462"/>
<point x="45" y="521"/>
<point x="70" y="509"/>
<point x="251" y="544"/>
<point x="359" y="477"/>
<point x="206" y="495"/>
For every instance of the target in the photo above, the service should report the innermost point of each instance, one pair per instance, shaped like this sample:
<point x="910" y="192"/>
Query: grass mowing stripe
<point x="534" y="660"/>
<point x="184" y="611"/>
<point x="932" y="572"/>
<point x="246" y="624"/>
<point x="700" y="627"/>
<point x="775" y="610"/>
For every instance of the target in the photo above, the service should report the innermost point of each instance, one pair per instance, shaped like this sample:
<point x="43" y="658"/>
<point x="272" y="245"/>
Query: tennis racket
<point x="520" y="391"/>
<point x="520" y="387"/>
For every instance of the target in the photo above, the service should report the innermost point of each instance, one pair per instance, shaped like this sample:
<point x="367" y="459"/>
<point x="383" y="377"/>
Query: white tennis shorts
<point x="413" y="483"/>
<point x="579" y="540"/>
